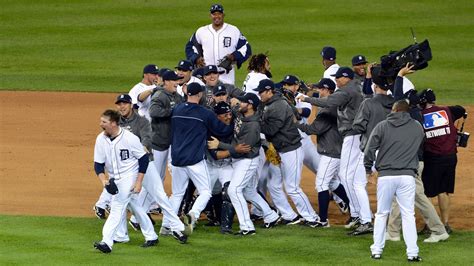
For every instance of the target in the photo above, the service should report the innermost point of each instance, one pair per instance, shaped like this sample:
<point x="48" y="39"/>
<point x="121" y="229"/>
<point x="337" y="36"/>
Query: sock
<point x="341" y="193"/>
<point x="323" y="201"/>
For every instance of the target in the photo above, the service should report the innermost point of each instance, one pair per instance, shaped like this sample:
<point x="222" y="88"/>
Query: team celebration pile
<point x="240" y="152"/>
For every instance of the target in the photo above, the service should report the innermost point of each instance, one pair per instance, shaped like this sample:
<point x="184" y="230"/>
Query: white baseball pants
<point x="327" y="177"/>
<point x="352" y="175"/>
<point x="242" y="187"/>
<point x="291" y="167"/>
<point x="118" y="210"/>
<point x="403" y="188"/>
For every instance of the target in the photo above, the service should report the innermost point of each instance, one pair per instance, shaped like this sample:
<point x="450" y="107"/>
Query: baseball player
<point x="278" y="127"/>
<point x="243" y="184"/>
<point x="148" y="83"/>
<point x="139" y="126"/>
<point x="190" y="125"/>
<point x="352" y="174"/>
<point x="328" y="55"/>
<point x="162" y="104"/>
<point x="329" y="146"/>
<point x="184" y="69"/>
<point x="259" y="68"/>
<point x="121" y="153"/>
<point x="397" y="140"/>
<point x="220" y="44"/>
<point x="212" y="79"/>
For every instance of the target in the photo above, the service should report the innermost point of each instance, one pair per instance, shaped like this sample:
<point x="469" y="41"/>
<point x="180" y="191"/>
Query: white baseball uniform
<point x="120" y="157"/>
<point x="216" y="45"/>
<point x="331" y="70"/>
<point x="145" y="105"/>
<point x="179" y="89"/>
<point x="251" y="82"/>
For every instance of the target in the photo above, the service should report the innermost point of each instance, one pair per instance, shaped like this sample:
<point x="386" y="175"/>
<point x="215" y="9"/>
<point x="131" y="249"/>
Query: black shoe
<point x="352" y="222"/>
<point x="212" y="223"/>
<point x="182" y="238"/>
<point x="297" y="220"/>
<point x="414" y="259"/>
<point x="271" y="224"/>
<point x="151" y="219"/>
<point x="312" y="224"/>
<point x="425" y="231"/>
<point x="376" y="256"/>
<point x="99" y="212"/>
<point x="255" y="218"/>
<point x="155" y="211"/>
<point x="226" y="231"/>
<point x="245" y="233"/>
<point x="343" y="207"/>
<point x="150" y="243"/>
<point x="104" y="248"/>
<point x="320" y="224"/>
<point x="135" y="226"/>
<point x="363" y="229"/>
<point x="448" y="229"/>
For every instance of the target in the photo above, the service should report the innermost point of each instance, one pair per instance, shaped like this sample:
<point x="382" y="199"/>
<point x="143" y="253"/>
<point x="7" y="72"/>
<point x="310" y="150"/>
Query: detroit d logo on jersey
<point x="227" y="41"/>
<point x="124" y="155"/>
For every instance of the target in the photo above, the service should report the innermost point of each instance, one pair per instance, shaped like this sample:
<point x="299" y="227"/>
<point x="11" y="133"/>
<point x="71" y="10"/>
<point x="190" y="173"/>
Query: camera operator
<point x="433" y="226"/>
<point x="440" y="150"/>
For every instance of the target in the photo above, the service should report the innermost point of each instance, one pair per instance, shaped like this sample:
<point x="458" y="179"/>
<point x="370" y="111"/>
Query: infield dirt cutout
<point x="46" y="158"/>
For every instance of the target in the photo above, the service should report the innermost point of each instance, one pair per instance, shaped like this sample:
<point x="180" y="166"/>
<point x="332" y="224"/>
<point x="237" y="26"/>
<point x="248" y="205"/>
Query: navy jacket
<point x="190" y="124"/>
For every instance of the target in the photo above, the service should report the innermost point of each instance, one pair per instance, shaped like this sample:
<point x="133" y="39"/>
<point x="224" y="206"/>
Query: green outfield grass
<point x="102" y="45"/>
<point x="55" y="240"/>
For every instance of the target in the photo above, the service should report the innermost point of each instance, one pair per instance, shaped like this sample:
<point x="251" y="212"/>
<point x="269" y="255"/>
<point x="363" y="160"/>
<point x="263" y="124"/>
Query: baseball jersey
<point x="251" y="82"/>
<point x="331" y="70"/>
<point x="145" y="105"/>
<point x="120" y="155"/>
<point x="215" y="45"/>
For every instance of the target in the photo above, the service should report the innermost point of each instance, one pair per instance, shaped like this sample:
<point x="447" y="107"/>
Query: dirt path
<point x="46" y="157"/>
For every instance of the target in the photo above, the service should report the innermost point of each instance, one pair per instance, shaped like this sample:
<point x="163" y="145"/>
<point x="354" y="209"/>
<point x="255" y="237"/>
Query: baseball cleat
<point x="353" y="222"/>
<point x="343" y="207"/>
<point x="150" y="243"/>
<point x="165" y="231"/>
<point x="255" y="217"/>
<point x="296" y="220"/>
<point x="102" y="247"/>
<point x="376" y="256"/>
<point x="182" y="238"/>
<point x="363" y="229"/>
<point x="99" y="212"/>
<point x="436" y="238"/>
<point x="226" y="231"/>
<point x="135" y="226"/>
<point x="414" y="259"/>
<point x="425" y="231"/>
<point x="312" y="224"/>
<point x="320" y="224"/>
<point x="448" y="229"/>
<point x="155" y="211"/>
<point x="271" y="224"/>
<point x="245" y="233"/>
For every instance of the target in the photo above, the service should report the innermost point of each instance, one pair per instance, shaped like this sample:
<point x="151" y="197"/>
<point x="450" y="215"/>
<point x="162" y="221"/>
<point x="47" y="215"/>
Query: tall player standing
<point x="218" y="43"/>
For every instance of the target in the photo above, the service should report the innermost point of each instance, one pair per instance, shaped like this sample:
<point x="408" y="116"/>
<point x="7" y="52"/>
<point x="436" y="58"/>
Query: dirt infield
<point x="46" y="158"/>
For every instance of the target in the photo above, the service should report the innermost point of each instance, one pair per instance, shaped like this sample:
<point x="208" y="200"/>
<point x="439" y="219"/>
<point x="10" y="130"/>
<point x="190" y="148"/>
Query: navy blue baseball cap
<point x="219" y="90"/>
<point x="325" y="83"/>
<point x="358" y="60"/>
<point x="216" y="8"/>
<point x="198" y="72"/>
<point x="346" y="72"/>
<point x="151" y="69"/>
<point x="185" y="65"/>
<point x="328" y="53"/>
<point x="378" y="79"/>
<point x="290" y="80"/>
<point x="265" y="84"/>
<point x="194" y="88"/>
<point x="171" y="75"/>
<point x="222" y="108"/>
<point x="163" y="71"/>
<point x="212" y="69"/>
<point x="250" y="98"/>
<point x="123" y="98"/>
